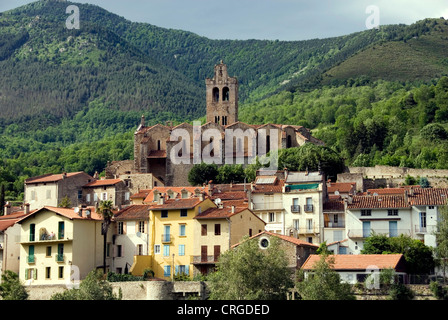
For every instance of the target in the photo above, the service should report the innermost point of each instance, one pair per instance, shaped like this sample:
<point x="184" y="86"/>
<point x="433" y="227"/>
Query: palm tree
<point x="105" y="210"/>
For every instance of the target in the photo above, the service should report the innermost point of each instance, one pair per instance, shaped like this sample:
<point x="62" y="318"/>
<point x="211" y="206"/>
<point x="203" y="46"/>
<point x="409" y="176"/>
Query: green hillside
<point x="416" y="57"/>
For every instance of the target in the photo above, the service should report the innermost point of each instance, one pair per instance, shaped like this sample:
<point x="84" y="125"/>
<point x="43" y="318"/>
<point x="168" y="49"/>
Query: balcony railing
<point x="330" y="224"/>
<point x="295" y="208"/>
<point x="308" y="208"/>
<point x="60" y="257"/>
<point x="166" y="238"/>
<point x="420" y="229"/>
<point x="277" y="205"/>
<point x="46" y="238"/>
<point x="204" y="259"/>
<point x="31" y="259"/>
<point x="364" y="233"/>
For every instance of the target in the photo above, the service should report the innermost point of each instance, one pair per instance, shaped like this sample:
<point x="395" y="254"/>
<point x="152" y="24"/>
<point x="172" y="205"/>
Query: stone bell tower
<point x="222" y="97"/>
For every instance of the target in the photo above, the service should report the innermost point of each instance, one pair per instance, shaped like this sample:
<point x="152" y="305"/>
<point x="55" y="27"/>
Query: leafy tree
<point x="230" y="174"/>
<point x="93" y="287"/>
<point x="419" y="257"/>
<point x="441" y="249"/>
<point x="65" y="203"/>
<point x="423" y="182"/>
<point x="251" y="273"/>
<point x="202" y="173"/>
<point x="323" y="249"/>
<point x="399" y="291"/>
<point x="11" y="288"/>
<point x="323" y="283"/>
<point x="105" y="210"/>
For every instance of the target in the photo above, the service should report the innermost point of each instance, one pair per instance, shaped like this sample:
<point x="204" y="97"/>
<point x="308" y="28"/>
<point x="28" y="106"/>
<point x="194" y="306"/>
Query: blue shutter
<point x="187" y="270"/>
<point x="176" y="270"/>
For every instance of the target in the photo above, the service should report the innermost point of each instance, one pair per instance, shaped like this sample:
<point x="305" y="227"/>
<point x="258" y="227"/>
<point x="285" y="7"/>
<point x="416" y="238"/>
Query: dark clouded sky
<point x="266" y="19"/>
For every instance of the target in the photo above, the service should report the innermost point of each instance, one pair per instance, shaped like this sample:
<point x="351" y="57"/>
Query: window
<point x="95" y="197"/>
<point x="120" y="227"/>
<point x="393" y="231"/>
<point x="61" y="273"/>
<point x="392" y="212"/>
<point x="184" y="194"/>
<point x="47" y="272"/>
<point x="181" y="250"/>
<point x="31" y="254"/>
<point x="295" y="223"/>
<point x="79" y="193"/>
<point x="157" y="249"/>
<point x="167" y="271"/>
<point x="164" y="214"/>
<point x="250" y="232"/>
<point x="139" y="249"/>
<point x="336" y="219"/>
<point x="158" y="144"/>
<point x="430" y="207"/>
<point x="32" y="232"/>
<point x="366" y="229"/>
<point x="182" y="230"/>
<point x="141" y="226"/>
<point x="309" y="224"/>
<point x="48" y="194"/>
<point x="33" y="195"/>
<point x="337" y="235"/>
<point x="366" y="212"/>
<point x="183" y="212"/>
<point x="216" y="252"/>
<point x="104" y="196"/>
<point x="166" y="250"/>
<point x="422" y="220"/>
<point x="48" y="252"/>
<point x="182" y="269"/>
<point x="108" y="250"/>
<point x="119" y="250"/>
<point x="127" y="196"/>
<point x="217" y="229"/>
<point x="61" y="230"/>
<point x="215" y="94"/>
<point x="225" y="94"/>
<point x="88" y="198"/>
<point x="271" y="216"/>
<point x="203" y="229"/>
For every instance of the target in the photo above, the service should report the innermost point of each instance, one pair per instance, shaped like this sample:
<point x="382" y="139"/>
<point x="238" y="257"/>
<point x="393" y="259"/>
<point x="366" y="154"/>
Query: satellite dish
<point x="139" y="234"/>
<point x="217" y="201"/>
<point x="76" y="209"/>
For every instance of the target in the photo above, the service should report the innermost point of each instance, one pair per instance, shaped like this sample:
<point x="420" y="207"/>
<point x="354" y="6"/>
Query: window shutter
<point x="187" y="270"/>
<point x="35" y="274"/>
<point x="176" y="270"/>
<point x="26" y="274"/>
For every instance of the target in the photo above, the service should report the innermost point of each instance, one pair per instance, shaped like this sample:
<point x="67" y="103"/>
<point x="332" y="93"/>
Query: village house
<point x="50" y="189"/>
<point x="297" y="251"/>
<point x="334" y="224"/>
<point x="413" y="212"/>
<point x="9" y="238"/>
<point x="54" y="242"/>
<point x="106" y="189"/>
<point x="131" y="237"/>
<point x="218" y="228"/>
<point x="304" y="194"/>
<point x="356" y="268"/>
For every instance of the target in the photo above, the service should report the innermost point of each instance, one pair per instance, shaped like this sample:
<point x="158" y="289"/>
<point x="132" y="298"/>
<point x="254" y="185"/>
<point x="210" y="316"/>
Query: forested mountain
<point x="70" y="99"/>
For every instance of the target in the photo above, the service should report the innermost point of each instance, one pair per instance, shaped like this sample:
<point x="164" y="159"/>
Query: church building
<point x="169" y="152"/>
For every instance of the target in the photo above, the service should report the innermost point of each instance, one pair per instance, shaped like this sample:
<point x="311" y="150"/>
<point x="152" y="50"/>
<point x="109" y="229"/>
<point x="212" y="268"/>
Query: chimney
<point x="27" y="208"/>
<point x="64" y="175"/>
<point x="96" y="175"/>
<point x="233" y="209"/>
<point x="286" y="172"/>
<point x="406" y="196"/>
<point x="350" y="199"/>
<point x="210" y="188"/>
<point x="80" y="211"/>
<point x="8" y="209"/>
<point x="201" y="196"/>
<point x="142" y="121"/>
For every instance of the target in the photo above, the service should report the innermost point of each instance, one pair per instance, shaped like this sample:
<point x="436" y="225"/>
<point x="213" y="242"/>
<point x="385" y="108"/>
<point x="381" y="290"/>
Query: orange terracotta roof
<point x="334" y="205"/>
<point x="171" y="204"/>
<point x="68" y="213"/>
<point x="177" y="190"/>
<point x="141" y="194"/>
<point x="377" y="202"/>
<point x="344" y="187"/>
<point x="133" y="212"/>
<point x="231" y="195"/>
<point x="276" y="187"/>
<point x="429" y="196"/>
<point x="386" y="191"/>
<point x="52" y="177"/>
<point x="359" y="261"/>
<point x="103" y="182"/>
<point x="219" y="213"/>
<point x="157" y="154"/>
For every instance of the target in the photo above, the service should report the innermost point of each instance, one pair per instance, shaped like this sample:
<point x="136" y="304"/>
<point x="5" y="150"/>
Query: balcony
<point x="308" y="208"/>
<point x="295" y="208"/>
<point x="31" y="259"/>
<point x="209" y="259"/>
<point x="166" y="238"/>
<point x="329" y="224"/>
<point x="364" y="233"/>
<point x="45" y="238"/>
<point x="420" y="229"/>
<point x="60" y="257"/>
<point x="278" y="205"/>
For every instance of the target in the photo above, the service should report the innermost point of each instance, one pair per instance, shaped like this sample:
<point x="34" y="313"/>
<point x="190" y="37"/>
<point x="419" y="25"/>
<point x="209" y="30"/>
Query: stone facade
<point x="169" y="152"/>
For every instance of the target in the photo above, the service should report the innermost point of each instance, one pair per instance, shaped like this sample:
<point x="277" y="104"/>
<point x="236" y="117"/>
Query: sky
<point x="268" y="19"/>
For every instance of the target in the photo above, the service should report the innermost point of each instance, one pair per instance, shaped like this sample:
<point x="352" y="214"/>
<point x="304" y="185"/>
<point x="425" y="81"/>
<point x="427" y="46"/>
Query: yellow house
<point x="171" y="236"/>
<point x="219" y="228"/>
<point x="57" y="244"/>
